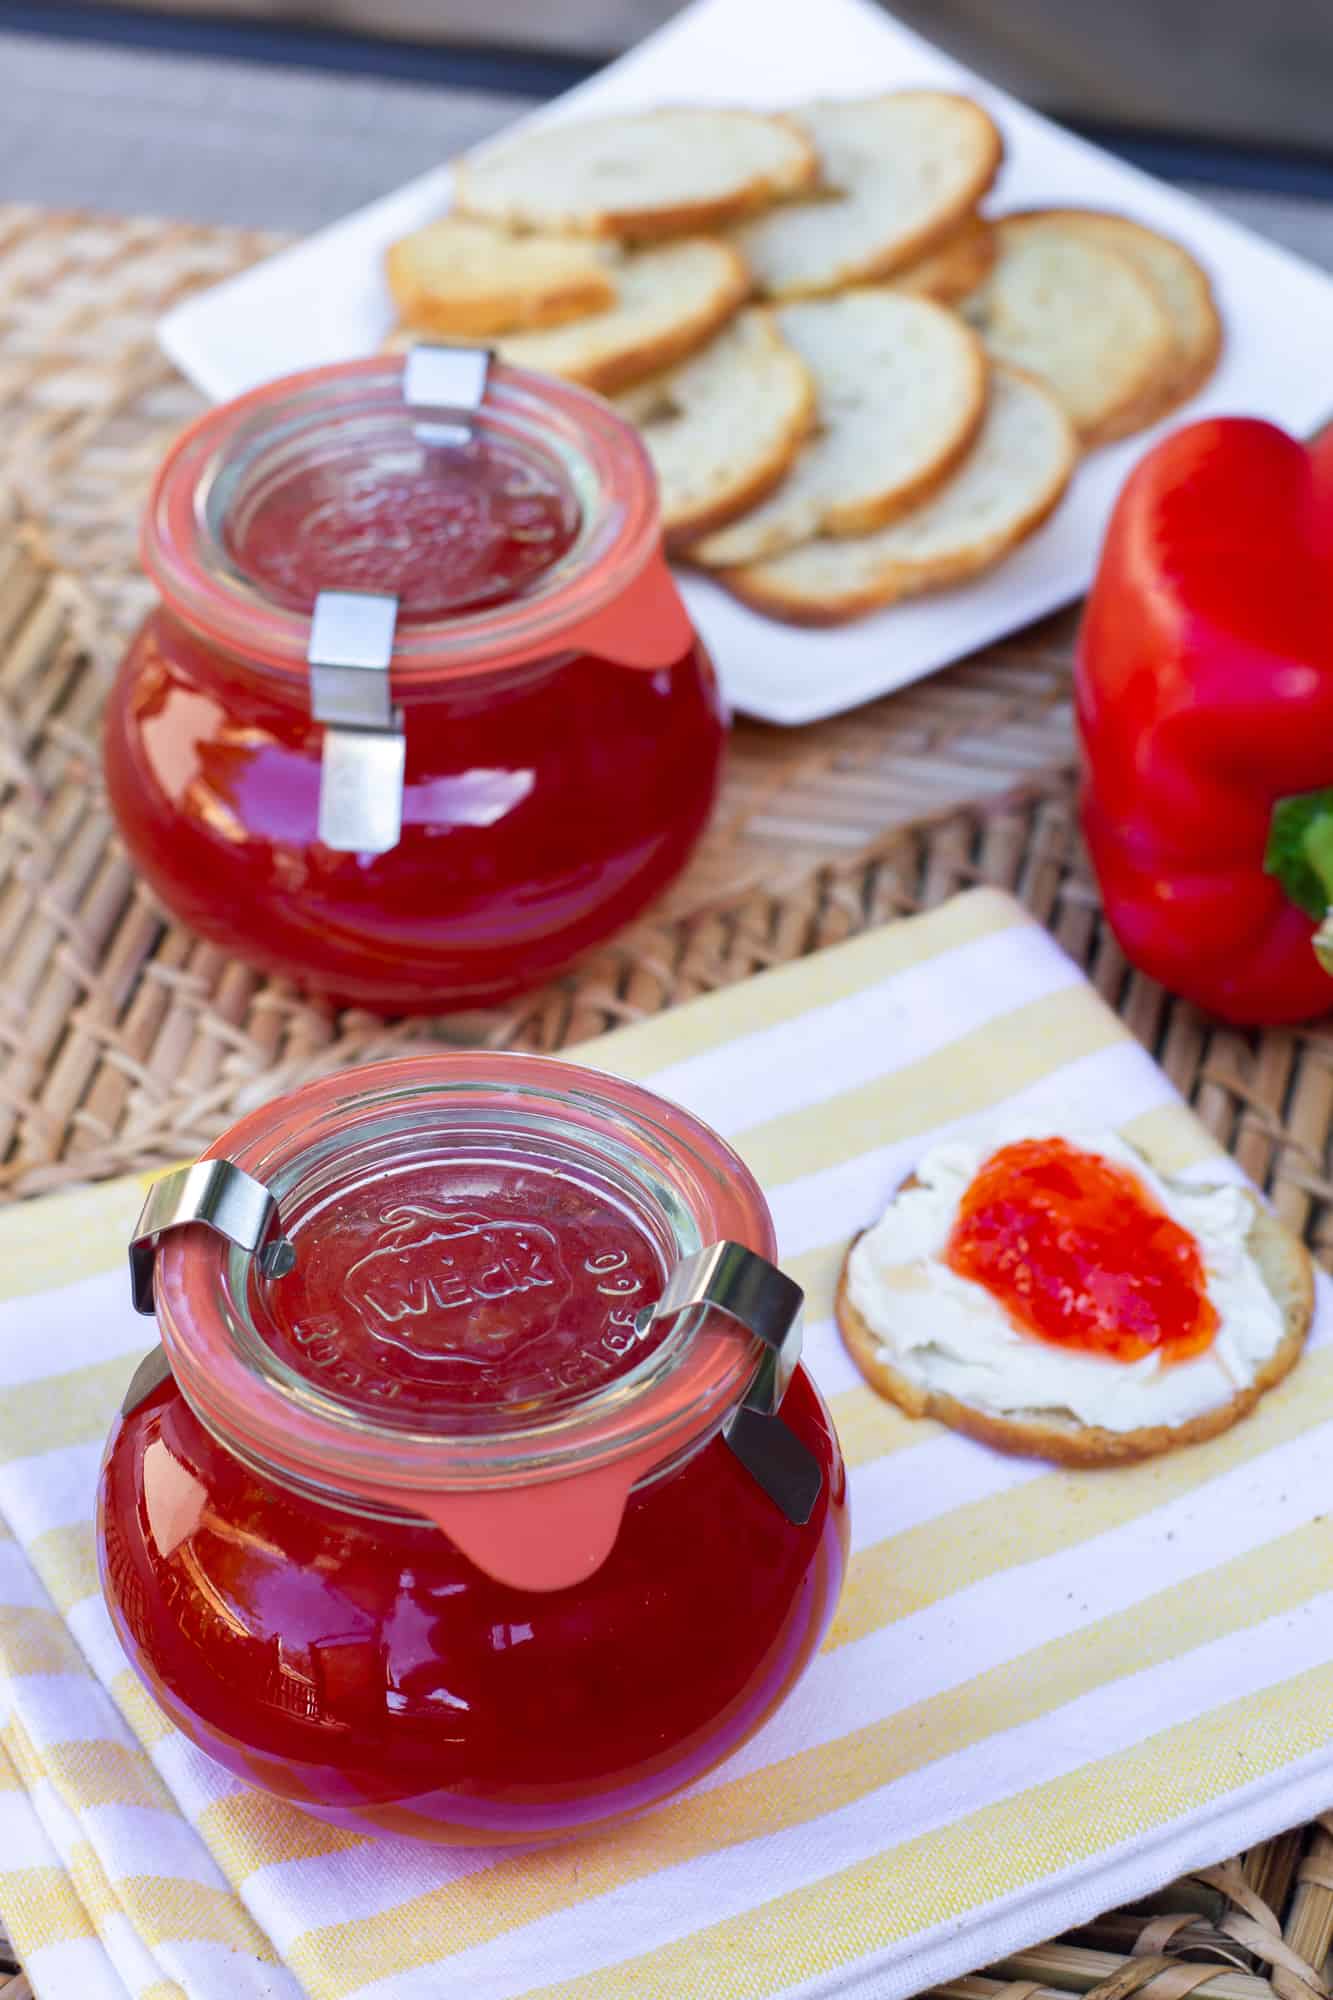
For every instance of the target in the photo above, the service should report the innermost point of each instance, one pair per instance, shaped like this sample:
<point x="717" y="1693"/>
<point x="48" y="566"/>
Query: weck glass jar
<point x="420" y="713"/>
<point x="476" y="1492"/>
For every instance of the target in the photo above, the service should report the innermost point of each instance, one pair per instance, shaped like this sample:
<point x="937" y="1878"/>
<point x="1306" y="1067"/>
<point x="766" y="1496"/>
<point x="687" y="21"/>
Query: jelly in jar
<point x="444" y="1529"/>
<point x="541" y="734"/>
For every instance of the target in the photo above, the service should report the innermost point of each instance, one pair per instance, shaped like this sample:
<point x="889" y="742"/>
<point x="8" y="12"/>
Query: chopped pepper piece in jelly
<point x="1080" y="1254"/>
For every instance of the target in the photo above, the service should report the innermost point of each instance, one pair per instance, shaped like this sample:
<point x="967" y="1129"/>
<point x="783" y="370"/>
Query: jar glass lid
<point x="367" y="502"/>
<point x="499" y="537"/>
<point x="478" y="1312"/>
<point x="468" y="1270"/>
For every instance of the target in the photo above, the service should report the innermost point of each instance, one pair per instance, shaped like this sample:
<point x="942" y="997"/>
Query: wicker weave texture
<point x="126" y="1042"/>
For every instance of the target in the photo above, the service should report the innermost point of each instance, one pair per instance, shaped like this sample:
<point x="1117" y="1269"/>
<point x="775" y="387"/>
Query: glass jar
<point x="457" y="1509"/>
<point x="525" y="757"/>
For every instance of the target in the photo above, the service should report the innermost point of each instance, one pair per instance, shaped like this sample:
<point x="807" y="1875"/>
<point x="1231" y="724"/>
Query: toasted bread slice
<point x="467" y="279"/>
<point x="897" y="174"/>
<point x="1009" y="482"/>
<point x="672" y="298"/>
<point x="649" y="174"/>
<point x="1180" y="282"/>
<point x="954" y="268"/>
<point x="723" y="427"/>
<point x="1080" y="316"/>
<point x="901" y="385"/>
<point x="1289" y="1275"/>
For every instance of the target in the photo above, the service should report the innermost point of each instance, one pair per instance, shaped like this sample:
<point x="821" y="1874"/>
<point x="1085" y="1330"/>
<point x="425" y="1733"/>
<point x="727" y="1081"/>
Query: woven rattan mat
<point x="125" y="1042"/>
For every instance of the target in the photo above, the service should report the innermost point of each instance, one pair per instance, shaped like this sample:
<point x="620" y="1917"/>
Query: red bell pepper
<point x="1204" y="686"/>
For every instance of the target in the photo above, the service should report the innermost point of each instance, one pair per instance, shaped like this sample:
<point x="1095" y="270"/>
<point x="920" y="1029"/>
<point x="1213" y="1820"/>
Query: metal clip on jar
<point x="476" y="1491"/>
<point x="420" y="714"/>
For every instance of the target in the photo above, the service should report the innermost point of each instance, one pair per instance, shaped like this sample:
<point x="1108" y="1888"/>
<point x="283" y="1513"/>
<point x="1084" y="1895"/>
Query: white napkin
<point x="1044" y="1692"/>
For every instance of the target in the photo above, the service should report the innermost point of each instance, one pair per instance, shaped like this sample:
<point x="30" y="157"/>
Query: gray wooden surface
<point x="1227" y="68"/>
<point x="213" y="141"/>
<point x="288" y="149"/>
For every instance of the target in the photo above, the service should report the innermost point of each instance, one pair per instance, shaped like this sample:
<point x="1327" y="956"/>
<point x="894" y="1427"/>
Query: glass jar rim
<point x="275" y="1416"/>
<point x="601" y="455"/>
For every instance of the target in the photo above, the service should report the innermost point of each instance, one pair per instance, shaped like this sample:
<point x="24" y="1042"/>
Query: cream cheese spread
<point x="951" y="1336"/>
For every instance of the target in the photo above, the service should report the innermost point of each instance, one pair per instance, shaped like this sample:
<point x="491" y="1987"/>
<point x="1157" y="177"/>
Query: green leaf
<point x="1300" y="849"/>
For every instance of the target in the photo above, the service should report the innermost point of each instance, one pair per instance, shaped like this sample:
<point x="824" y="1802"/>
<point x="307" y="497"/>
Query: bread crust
<point x="1063" y="1439"/>
<point x="875" y="491"/>
<point x="1118" y="413"/>
<point x="908" y="246"/>
<point x="847" y="521"/>
<point x="660" y="221"/>
<point x="512" y="308"/>
<point x="712" y="465"/>
<point x="625" y="366"/>
<point x="955" y="267"/>
<point x="1195" y="357"/>
<point x="765" y="476"/>
<point x="755" y="585"/>
<point x="750" y="587"/>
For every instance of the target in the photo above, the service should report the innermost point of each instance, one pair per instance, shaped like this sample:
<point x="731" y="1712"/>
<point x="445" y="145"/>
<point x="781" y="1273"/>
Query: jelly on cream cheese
<point x="953" y="1337"/>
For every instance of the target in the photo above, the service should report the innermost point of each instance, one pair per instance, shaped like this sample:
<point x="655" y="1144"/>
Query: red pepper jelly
<point x="476" y="1290"/>
<point x="443" y="1531"/>
<point x="541" y="735"/>
<point x="1079" y="1254"/>
<point x="470" y="523"/>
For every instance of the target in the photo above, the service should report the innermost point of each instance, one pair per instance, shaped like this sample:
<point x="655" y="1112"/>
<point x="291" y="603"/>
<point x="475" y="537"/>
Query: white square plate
<point x="325" y="300"/>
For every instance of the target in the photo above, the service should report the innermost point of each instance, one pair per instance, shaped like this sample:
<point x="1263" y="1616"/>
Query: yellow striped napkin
<point x="1044" y="1692"/>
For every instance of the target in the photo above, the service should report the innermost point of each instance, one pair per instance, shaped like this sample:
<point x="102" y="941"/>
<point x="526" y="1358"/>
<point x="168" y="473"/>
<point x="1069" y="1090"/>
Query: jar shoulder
<point x="178" y="1514"/>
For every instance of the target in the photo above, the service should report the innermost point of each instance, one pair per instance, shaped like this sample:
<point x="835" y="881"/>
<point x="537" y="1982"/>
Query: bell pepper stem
<point x="1323" y="945"/>
<point x="1300" y="854"/>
